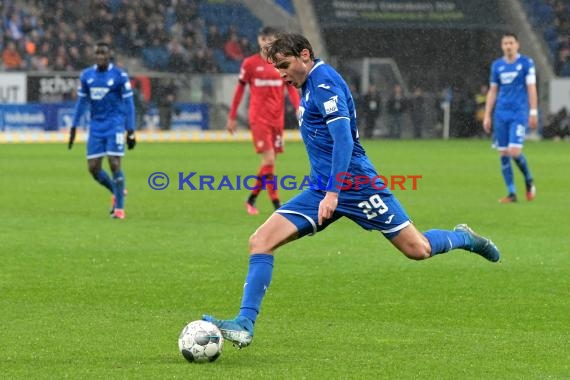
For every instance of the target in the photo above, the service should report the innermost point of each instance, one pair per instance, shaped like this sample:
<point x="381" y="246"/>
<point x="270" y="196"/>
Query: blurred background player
<point x="106" y="90"/>
<point x="266" y="114"/>
<point x="513" y="96"/>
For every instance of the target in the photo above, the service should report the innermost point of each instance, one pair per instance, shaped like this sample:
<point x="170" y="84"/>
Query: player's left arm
<point x="129" y="104"/>
<point x="335" y="113"/>
<point x="532" y="96"/>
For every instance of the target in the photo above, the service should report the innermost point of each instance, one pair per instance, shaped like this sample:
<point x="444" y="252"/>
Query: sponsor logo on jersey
<point x="268" y="82"/>
<point x="508" y="77"/>
<point x="97" y="93"/>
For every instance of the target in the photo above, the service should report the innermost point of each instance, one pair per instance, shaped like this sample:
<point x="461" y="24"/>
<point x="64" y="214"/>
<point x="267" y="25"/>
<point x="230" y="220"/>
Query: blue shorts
<point x="509" y="131"/>
<point x="106" y="145"/>
<point x="370" y="208"/>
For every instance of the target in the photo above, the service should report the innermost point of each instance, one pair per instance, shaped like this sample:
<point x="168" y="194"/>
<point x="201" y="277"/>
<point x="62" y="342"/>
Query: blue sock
<point x="442" y="241"/>
<point x="256" y="284"/>
<point x="507" y="171"/>
<point x="119" y="180"/>
<point x="523" y="166"/>
<point x="103" y="178"/>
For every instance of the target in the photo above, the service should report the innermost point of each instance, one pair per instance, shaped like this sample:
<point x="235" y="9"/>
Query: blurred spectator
<point x="233" y="48"/>
<point x="557" y="126"/>
<point x="370" y="108"/>
<point x="396" y="107"/>
<point x="165" y="96"/>
<point x="417" y="112"/>
<point x="215" y="40"/>
<point x="463" y="114"/>
<point x="11" y="58"/>
<point x="141" y="106"/>
<point x="178" y="60"/>
<point x="204" y="61"/>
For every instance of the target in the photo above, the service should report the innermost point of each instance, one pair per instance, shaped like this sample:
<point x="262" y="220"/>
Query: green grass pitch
<point x="86" y="297"/>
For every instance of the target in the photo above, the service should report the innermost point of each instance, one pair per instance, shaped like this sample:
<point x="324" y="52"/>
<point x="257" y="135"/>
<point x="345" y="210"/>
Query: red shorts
<point x="267" y="138"/>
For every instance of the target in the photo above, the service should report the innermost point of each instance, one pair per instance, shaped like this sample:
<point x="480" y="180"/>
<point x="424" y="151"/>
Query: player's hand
<point x="131" y="140"/>
<point x="327" y="206"/>
<point x="231" y="126"/>
<point x="533" y="122"/>
<point x="72" y="132"/>
<point x="487" y="125"/>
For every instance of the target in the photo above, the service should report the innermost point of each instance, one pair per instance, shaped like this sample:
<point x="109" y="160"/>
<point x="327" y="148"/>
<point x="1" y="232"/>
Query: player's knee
<point x="258" y="242"/>
<point x="513" y="152"/>
<point x="416" y="250"/>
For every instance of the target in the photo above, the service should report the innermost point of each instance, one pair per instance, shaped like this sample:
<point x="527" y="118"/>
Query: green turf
<point x="86" y="297"/>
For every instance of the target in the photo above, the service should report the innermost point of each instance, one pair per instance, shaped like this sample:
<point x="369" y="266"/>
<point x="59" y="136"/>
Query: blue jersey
<point x="325" y="100"/>
<point x="110" y="99"/>
<point x="512" y="80"/>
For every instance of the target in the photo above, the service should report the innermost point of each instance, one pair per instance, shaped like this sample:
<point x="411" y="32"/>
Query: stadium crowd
<point x="57" y="35"/>
<point x="552" y="18"/>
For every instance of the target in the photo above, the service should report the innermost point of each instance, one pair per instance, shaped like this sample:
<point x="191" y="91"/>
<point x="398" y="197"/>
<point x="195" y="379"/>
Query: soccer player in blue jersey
<point x="327" y="122"/>
<point x="106" y="90"/>
<point x="513" y="98"/>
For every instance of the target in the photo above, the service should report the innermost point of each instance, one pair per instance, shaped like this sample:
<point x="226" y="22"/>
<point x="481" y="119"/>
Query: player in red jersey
<point x="266" y="114"/>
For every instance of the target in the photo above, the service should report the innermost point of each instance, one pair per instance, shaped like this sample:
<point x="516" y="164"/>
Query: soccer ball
<point x="200" y="342"/>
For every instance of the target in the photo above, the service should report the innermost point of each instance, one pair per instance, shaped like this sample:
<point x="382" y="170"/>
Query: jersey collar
<point x="318" y="62"/>
<point x="109" y="67"/>
<point x="514" y="60"/>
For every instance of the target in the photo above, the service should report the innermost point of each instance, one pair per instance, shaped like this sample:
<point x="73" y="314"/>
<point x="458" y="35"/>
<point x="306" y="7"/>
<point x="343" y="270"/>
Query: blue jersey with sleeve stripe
<point x="325" y="100"/>
<point x="108" y="94"/>
<point x="511" y="80"/>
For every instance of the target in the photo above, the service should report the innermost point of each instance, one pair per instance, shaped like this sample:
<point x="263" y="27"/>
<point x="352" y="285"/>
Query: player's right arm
<point x="79" y="110"/>
<point x="231" y="125"/>
<point x="491" y="98"/>
<point x="489" y="105"/>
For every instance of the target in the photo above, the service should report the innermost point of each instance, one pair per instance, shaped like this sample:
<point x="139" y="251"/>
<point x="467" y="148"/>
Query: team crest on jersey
<point x="110" y="82"/>
<point x="97" y="93"/>
<point x="330" y="105"/>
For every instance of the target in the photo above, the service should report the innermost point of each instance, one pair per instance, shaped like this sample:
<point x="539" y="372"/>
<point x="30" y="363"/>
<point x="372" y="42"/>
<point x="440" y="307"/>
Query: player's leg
<point x="380" y="210"/>
<point x="115" y="150"/>
<point x="418" y="246"/>
<point x="295" y="219"/>
<point x="268" y="162"/>
<point x="276" y="231"/>
<point x="95" y="153"/>
<point x="516" y="141"/>
<point x="263" y="142"/>
<point x="502" y="133"/>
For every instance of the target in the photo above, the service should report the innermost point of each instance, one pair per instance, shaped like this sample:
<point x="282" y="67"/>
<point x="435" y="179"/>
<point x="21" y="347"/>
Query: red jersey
<point x="267" y="97"/>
